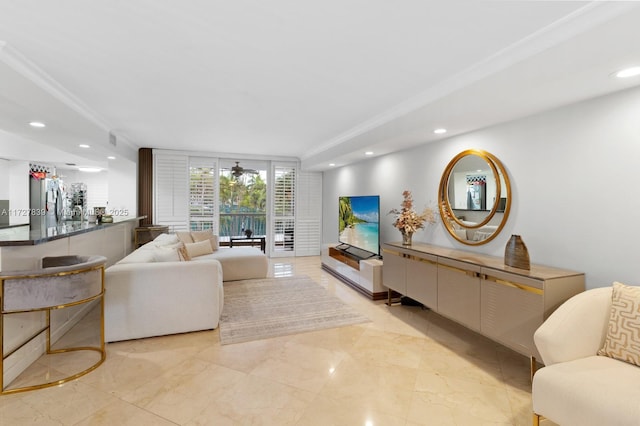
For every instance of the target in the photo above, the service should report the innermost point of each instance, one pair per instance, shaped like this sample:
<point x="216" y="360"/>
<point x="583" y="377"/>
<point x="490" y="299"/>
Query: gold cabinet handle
<point x="519" y="286"/>
<point x="392" y="252"/>
<point x="463" y="271"/>
<point x="423" y="260"/>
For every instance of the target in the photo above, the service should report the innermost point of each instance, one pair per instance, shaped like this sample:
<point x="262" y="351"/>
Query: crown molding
<point x="230" y="156"/>
<point x="30" y="71"/>
<point x="583" y="19"/>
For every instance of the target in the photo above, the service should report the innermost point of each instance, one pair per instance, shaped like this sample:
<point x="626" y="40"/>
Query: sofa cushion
<point x="184" y="236"/>
<point x="199" y="248"/>
<point x="596" y="390"/>
<point x="197" y="236"/>
<point x="206" y="235"/>
<point x="622" y="341"/>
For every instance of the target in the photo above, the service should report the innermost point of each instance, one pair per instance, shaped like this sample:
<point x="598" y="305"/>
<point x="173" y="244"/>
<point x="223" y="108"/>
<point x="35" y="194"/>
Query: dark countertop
<point x="29" y="237"/>
<point x="12" y="226"/>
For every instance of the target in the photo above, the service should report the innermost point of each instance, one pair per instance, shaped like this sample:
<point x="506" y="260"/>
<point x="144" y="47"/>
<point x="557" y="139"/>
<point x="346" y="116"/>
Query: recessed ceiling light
<point x="368" y="153"/>
<point x="90" y="169"/>
<point x="332" y="164"/>
<point x="440" y="131"/>
<point x="84" y="145"/>
<point x="628" y="72"/>
<point x="37" y="124"/>
<point x="111" y="157"/>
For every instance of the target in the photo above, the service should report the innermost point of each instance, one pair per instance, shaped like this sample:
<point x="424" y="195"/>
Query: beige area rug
<point x="270" y="307"/>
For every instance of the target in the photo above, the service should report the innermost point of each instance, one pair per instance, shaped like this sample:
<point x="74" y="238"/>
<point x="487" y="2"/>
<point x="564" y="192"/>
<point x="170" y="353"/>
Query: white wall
<point x="572" y="171"/>
<point x="118" y="186"/>
<point x="18" y="196"/>
<point x="123" y="187"/>
<point x="4" y="177"/>
<point x="97" y="185"/>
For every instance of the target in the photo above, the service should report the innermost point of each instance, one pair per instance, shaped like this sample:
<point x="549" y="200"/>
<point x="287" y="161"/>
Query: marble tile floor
<point x="406" y="367"/>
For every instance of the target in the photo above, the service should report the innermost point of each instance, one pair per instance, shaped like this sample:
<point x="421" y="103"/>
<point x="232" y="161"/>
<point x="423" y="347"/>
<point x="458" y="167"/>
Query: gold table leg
<point x="533" y="366"/>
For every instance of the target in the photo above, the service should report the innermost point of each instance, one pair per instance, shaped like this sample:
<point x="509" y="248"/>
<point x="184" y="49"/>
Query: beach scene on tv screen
<point x="359" y="221"/>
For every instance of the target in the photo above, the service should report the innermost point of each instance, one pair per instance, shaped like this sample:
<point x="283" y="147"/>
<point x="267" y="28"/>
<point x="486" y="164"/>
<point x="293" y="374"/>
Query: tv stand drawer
<point x="344" y="258"/>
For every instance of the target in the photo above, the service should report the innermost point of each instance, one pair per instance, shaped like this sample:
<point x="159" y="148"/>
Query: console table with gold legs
<point x="63" y="283"/>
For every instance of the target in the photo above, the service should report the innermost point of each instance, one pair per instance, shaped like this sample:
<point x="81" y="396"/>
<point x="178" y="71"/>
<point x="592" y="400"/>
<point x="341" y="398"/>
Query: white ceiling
<point x="320" y="81"/>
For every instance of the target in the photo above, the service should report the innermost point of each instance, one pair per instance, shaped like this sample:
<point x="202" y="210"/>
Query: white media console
<point x="364" y="275"/>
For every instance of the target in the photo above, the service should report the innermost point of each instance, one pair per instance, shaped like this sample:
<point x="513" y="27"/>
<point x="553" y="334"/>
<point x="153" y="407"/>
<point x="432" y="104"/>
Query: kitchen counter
<point x="22" y="249"/>
<point x="22" y="235"/>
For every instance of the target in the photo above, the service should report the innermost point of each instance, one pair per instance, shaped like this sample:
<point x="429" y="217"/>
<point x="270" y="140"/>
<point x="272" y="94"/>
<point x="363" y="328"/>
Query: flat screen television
<point x="359" y="223"/>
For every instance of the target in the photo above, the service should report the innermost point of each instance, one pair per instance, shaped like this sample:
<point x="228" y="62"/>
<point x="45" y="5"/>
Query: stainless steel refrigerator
<point x="46" y="201"/>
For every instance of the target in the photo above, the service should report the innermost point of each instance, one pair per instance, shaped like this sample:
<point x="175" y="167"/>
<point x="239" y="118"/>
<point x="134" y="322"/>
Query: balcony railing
<point x="232" y="224"/>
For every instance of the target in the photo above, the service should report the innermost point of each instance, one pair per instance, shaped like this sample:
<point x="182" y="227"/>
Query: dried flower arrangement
<point x="408" y="220"/>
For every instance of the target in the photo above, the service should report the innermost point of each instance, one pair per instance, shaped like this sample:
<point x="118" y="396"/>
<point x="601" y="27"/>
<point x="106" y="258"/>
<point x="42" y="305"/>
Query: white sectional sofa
<point x="154" y="291"/>
<point x="238" y="263"/>
<point x="149" y="299"/>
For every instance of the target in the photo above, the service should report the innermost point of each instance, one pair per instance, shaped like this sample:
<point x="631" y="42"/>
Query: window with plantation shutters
<point x="203" y="195"/>
<point x="308" y="240"/>
<point x="171" y="191"/>
<point x="283" y="210"/>
<point x="187" y="196"/>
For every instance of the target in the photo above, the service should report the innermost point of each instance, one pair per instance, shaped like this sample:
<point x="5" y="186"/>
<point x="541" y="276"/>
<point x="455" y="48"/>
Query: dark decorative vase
<point x="516" y="254"/>
<point x="406" y="238"/>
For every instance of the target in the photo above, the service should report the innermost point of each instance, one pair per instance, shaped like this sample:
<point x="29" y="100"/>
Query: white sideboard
<point x="478" y="291"/>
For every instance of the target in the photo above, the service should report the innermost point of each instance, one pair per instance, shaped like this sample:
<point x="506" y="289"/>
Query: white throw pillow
<point x="165" y="239"/>
<point x="166" y="254"/>
<point x="175" y="246"/>
<point x="199" y="249"/>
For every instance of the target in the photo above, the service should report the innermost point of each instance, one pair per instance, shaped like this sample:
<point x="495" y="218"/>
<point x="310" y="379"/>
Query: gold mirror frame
<point x="482" y="231"/>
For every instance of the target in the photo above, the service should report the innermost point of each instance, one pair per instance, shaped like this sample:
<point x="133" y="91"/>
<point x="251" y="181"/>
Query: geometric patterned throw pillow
<point x="622" y="341"/>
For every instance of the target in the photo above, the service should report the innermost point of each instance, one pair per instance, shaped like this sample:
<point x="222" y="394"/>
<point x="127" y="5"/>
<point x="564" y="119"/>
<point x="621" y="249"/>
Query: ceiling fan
<point x="238" y="171"/>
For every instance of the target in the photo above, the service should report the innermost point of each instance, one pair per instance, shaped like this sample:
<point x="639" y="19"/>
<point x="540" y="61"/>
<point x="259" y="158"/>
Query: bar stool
<point x="62" y="282"/>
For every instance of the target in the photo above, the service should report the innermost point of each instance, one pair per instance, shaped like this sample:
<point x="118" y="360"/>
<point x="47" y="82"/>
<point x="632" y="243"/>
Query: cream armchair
<point x="576" y="386"/>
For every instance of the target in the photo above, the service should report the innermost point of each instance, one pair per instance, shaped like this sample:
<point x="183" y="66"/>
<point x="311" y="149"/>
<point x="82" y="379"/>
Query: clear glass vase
<point x="406" y="238"/>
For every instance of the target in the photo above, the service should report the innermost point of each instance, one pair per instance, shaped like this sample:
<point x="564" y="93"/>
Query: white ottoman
<point x="240" y="263"/>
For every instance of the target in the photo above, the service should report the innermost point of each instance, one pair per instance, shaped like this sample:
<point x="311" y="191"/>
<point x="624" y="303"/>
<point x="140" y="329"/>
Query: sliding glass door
<point x="272" y="199"/>
<point x="243" y="199"/>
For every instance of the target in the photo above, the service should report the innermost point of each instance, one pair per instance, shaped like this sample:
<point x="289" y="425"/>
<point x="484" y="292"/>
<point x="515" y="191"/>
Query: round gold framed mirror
<point x="474" y="197"/>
